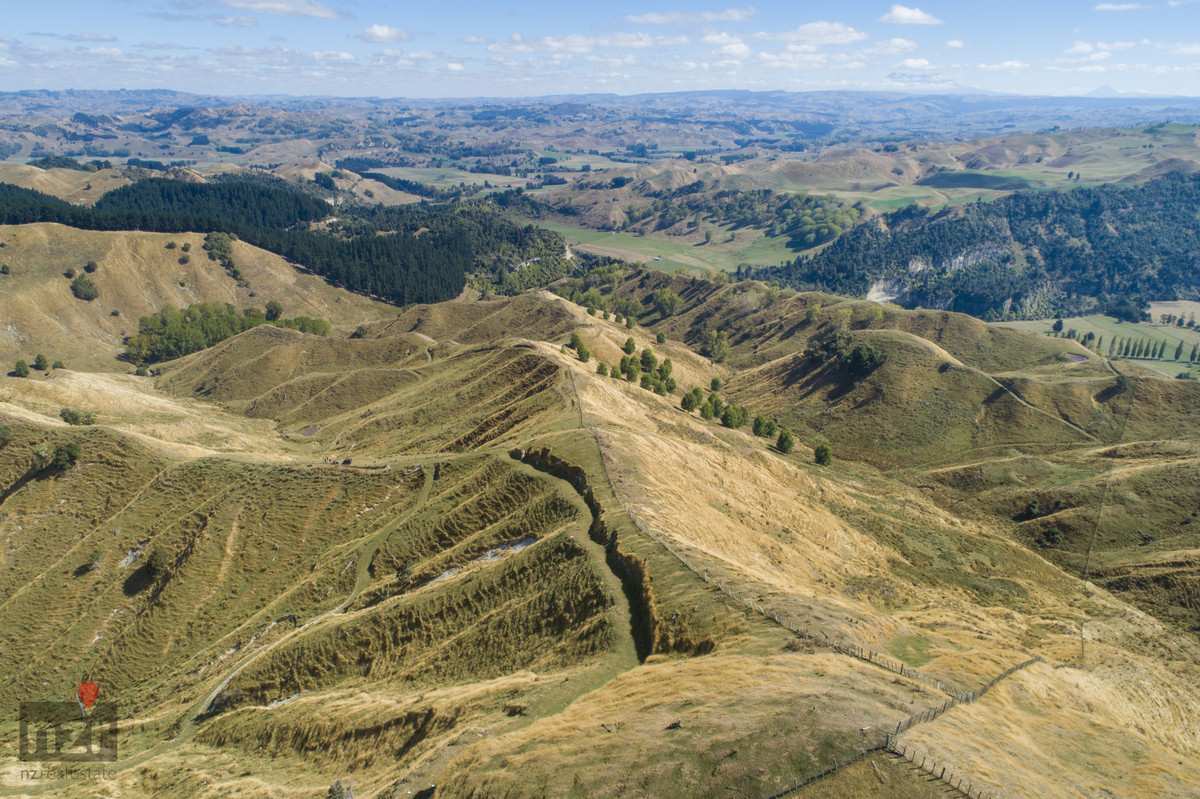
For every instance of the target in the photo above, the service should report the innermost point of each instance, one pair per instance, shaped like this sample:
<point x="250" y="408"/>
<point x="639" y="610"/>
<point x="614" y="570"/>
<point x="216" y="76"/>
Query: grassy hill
<point x="533" y="580"/>
<point x="138" y="274"/>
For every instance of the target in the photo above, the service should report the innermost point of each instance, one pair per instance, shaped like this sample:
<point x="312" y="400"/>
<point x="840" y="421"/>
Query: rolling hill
<point x="531" y="579"/>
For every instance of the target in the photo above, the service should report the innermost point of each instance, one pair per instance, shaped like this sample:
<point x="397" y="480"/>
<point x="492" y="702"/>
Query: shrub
<point x="630" y="346"/>
<point x="786" y="442"/>
<point x="585" y="354"/>
<point x="716" y="345"/>
<point x="823" y="455"/>
<point x="763" y="427"/>
<point x="70" y="273"/>
<point x="84" y="289"/>
<point x="602" y="369"/>
<point x="715" y="385"/>
<point x="58" y="365"/>
<point x="661" y="338"/>
<point x="273" y="310"/>
<point x="1050" y="538"/>
<point x="64" y="456"/>
<point x="21" y="369"/>
<point x="6" y="435"/>
<point x="734" y="416"/>
<point x="89" y="267"/>
<point x="74" y="417"/>
<point x="41" y="362"/>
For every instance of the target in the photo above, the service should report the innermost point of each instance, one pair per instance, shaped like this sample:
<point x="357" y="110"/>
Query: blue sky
<point x="456" y="49"/>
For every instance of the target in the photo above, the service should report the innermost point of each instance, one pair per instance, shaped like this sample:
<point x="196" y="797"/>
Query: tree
<point x="813" y="313"/>
<point x="273" y="310"/>
<point x="89" y="267"/>
<point x="1057" y="327"/>
<point x="74" y="417"/>
<point x="874" y="316"/>
<point x="734" y="416"/>
<point x="602" y="369"/>
<point x="585" y="354"/>
<point x="715" y="384"/>
<point x="667" y="302"/>
<point x="83" y="288"/>
<point x="21" y="369"/>
<point x="629" y="322"/>
<point x="630" y="345"/>
<point x="823" y="455"/>
<point x="661" y="337"/>
<point x="1179" y="351"/>
<point x="64" y="456"/>
<point x="786" y="442"/>
<point x="716" y="345"/>
<point x="764" y="427"/>
<point x="41" y="362"/>
<point x="649" y="360"/>
<point x="692" y="400"/>
<point x="59" y="365"/>
<point x="863" y="359"/>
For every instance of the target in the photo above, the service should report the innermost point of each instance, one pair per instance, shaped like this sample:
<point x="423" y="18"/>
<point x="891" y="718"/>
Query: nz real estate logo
<point x="83" y="731"/>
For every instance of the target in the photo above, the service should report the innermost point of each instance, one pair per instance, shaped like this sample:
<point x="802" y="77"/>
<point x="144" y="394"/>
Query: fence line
<point x="862" y="653"/>
<point x="930" y="766"/>
<point x="965" y="698"/>
<point x="890" y="743"/>
<point x="853" y="650"/>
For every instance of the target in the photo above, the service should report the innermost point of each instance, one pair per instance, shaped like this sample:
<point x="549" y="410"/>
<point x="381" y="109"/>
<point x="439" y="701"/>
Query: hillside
<point x="136" y="275"/>
<point x="533" y="580"/>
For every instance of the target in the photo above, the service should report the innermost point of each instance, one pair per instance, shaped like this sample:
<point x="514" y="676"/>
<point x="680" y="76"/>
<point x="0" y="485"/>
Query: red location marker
<point x="88" y="692"/>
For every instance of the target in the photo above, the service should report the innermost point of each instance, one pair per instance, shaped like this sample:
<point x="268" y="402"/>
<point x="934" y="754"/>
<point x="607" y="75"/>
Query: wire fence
<point x="889" y="743"/>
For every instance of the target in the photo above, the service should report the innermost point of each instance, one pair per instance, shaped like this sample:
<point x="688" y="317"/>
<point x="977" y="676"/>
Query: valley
<point x="603" y="446"/>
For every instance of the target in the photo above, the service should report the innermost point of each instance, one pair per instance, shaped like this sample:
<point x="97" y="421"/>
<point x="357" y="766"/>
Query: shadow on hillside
<point x="137" y="582"/>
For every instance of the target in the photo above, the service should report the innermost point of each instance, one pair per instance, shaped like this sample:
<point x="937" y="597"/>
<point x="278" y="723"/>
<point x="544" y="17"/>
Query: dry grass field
<point x="601" y="622"/>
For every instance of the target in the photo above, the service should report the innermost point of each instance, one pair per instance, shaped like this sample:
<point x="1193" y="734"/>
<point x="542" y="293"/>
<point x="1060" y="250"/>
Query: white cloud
<point x="1118" y="6"/>
<point x="578" y="43"/>
<point x="685" y="18"/>
<point x="915" y="63"/>
<point x="1181" y="48"/>
<point x="614" y="61"/>
<point x="474" y="40"/>
<point x="1005" y="66"/>
<point x="332" y="55"/>
<point x="720" y="38"/>
<point x="737" y="50"/>
<point x="818" y="33"/>
<point x="903" y="15"/>
<point x="955" y="44"/>
<point x="891" y="47"/>
<point x="224" y="20"/>
<point x="286" y="8"/>
<point x="384" y="34"/>
<point x="454" y="66"/>
<point x="419" y="55"/>
<point x="89" y="37"/>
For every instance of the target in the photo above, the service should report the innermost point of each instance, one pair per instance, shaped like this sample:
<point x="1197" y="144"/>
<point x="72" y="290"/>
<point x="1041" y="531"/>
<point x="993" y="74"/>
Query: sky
<point x="448" y="48"/>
